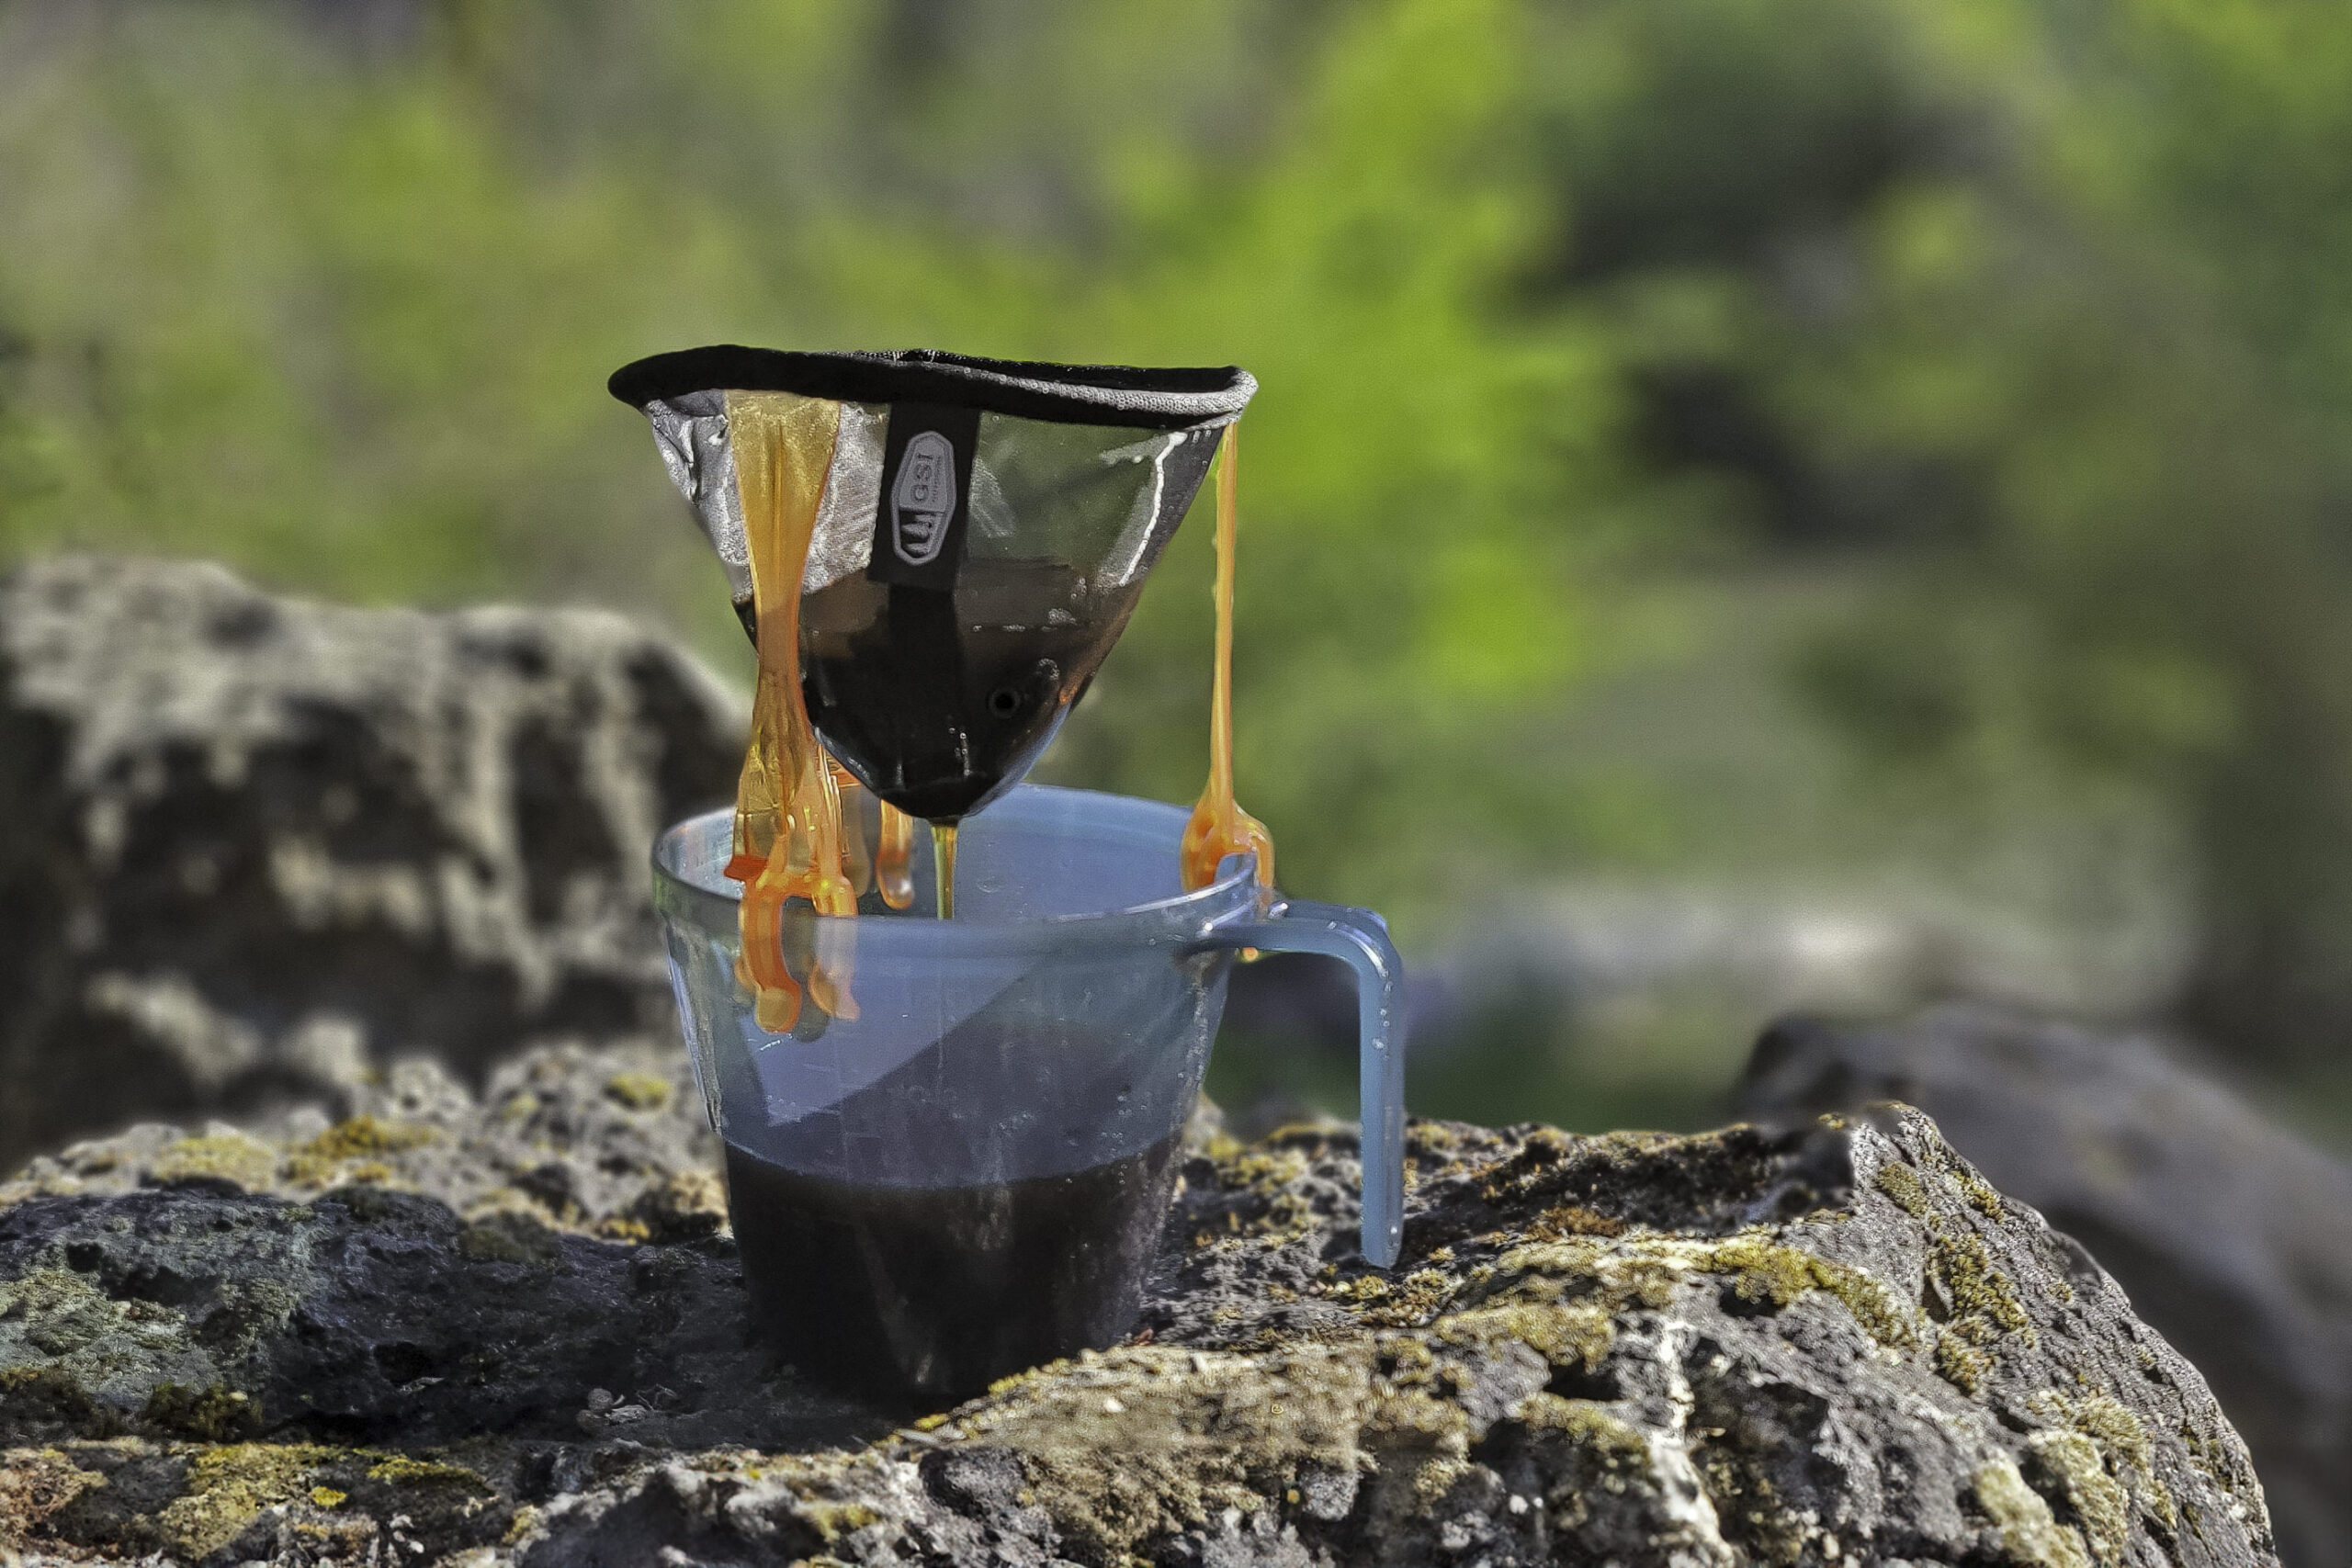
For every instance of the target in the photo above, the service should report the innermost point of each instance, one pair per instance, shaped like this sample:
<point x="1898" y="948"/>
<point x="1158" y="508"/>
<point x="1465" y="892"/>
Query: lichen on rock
<point x="2232" y="1233"/>
<point x="1722" y="1348"/>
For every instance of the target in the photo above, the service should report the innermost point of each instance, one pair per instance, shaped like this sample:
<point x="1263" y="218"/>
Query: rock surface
<point x="381" y="1341"/>
<point x="2233" y="1236"/>
<point x="250" y="847"/>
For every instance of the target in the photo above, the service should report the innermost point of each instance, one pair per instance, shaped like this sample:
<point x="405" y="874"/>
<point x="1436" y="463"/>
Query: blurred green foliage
<point x="2028" y="321"/>
<point x="342" y="313"/>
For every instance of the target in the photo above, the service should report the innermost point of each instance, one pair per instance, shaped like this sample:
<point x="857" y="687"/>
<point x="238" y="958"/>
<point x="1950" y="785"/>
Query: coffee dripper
<point x="965" y="1168"/>
<point x="985" y="530"/>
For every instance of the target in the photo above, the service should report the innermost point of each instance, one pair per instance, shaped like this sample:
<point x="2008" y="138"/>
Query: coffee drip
<point x="933" y="554"/>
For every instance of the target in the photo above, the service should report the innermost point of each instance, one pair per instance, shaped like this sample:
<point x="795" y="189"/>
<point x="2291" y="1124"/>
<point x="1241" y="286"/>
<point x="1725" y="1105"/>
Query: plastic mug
<point x="969" y="1176"/>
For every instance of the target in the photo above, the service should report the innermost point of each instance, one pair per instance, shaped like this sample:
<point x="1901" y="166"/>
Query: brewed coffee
<point x="925" y="1295"/>
<point x="933" y="697"/>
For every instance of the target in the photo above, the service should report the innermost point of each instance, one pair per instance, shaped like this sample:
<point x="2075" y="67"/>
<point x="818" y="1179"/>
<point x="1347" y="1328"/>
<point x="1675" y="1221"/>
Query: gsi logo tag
<point x="923" y="500"/>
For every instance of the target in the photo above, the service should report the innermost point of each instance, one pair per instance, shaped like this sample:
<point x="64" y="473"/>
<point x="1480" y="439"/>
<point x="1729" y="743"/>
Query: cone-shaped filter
<point x="985" y="529"/>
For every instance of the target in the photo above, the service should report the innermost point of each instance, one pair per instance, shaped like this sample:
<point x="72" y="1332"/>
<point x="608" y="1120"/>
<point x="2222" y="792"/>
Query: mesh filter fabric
<point x="1097" y="498"/>
<point x="940" y="648"/>
<point x="1101" y="500"/>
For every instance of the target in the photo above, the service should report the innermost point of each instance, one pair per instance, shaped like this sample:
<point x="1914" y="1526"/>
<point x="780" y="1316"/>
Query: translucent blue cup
<point x="969" y="1176"/>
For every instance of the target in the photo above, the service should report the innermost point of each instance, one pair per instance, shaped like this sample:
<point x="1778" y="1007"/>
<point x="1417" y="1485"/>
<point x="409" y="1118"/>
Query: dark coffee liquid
<point x="928" y="1294"/>
<point x="934" y="697"/>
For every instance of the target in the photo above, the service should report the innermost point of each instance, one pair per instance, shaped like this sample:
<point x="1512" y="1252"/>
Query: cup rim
<point x="1244" y="871"/>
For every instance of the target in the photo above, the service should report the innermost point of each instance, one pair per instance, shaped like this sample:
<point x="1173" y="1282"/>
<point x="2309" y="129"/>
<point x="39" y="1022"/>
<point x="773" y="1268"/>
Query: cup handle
<point x="1358" y="937"/>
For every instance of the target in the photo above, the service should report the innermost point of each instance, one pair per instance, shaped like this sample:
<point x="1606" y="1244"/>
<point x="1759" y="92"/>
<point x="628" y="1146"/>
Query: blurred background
<point x="1753" y="505"/>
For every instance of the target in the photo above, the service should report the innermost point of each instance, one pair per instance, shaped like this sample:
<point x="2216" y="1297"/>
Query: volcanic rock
<point x="251" y="849"/>
<point x="1833" y="1343"/>
<point x="2232" y="1236"/>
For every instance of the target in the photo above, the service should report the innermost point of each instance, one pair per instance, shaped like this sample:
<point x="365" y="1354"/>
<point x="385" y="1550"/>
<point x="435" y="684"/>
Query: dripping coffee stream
<point x="1219" y="826"/>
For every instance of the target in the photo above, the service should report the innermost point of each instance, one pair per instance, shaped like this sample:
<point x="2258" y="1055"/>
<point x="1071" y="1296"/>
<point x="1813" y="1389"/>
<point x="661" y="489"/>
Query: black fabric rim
<point x="1068" y="394"/>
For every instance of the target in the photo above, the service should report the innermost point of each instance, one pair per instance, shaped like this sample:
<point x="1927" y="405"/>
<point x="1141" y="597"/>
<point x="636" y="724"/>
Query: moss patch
<point x="1655" y="1179"/>
<point x="832" y="1520"/>
<point x="1980" y="1194"/>
<point x="1642" y="1270"/>
<point x="2022" y="1523"/>
<point x="227" y="1486"/>
<point x="1263" y="1201"/>
<point x="685" y="1206"/>
<point x="1573" y="1219"/>
<point x="224" y="1155"/>
<point x="57" y="1311"/>
<point x="1195" y="1434"/>
<point x="2119" y="1449"/>
<point x="1407" y="1302"/>
<point x="1586" y="1425"/>
<point x="1960" y="1364"/>
<point x="213" y="1415"/>
<point x="2098" y="1503"/>
<point x="638" y="1091"/>
<point x="404" y="1470"/>
<point x="1902" y="1183"/>
<point x="318" y="1162"/>
<point x="1768" y="1270"/>
<point x="1985" y="1304"/>
<point x="1577" y="1333"/>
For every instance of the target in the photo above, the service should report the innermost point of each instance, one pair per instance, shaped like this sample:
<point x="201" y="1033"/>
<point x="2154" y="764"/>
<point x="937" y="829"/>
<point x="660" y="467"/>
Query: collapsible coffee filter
<point x="984" y="530"/>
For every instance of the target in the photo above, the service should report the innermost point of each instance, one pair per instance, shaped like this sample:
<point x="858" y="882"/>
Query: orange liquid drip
<point x="943" y="864"/>
<point x="789" y="848"/>
<point x="894" y="858"/>
<point x="1219" y="826"/>
<point x="857" y="856"/>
